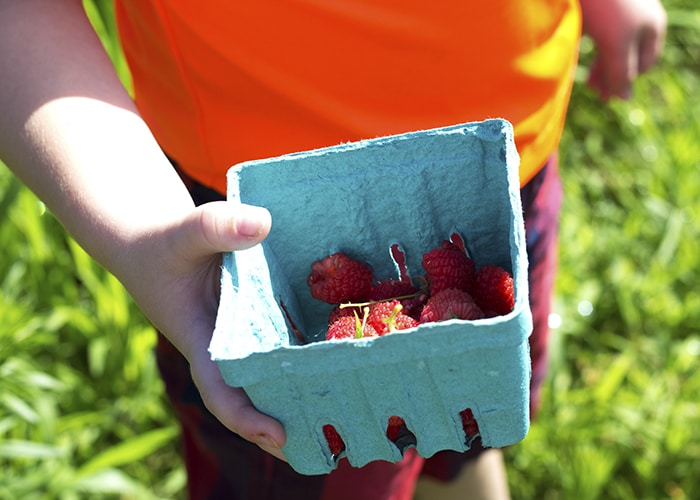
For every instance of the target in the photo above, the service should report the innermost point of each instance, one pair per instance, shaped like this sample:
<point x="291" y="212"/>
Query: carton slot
<point x="334" y="442"/>
<point x="470" y="426"/>
<point x="399" y="433"/>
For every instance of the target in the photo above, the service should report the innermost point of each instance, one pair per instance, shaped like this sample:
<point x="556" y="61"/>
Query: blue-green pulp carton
<point x="412" y="190"/>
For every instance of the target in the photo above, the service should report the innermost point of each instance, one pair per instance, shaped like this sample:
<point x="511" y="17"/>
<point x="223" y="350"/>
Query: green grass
<point x="82" y="409"/>
<point x="81" y="402"/>
<point x="621" y="413"/>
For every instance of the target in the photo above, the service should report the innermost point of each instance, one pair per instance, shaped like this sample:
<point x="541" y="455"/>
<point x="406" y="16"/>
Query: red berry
<point x="448" y="267"/>
<point x="338" y="279"/>
<point x="493" y="290"/>
<point x="338" y="312"/>
<point x="413" y="307"/>
<point x="335" y="443"/>
<point x="404" y="322"/>
<point x="469" y="424"/>
<point x="450" y="304"/>
<point x="394" y="427"/>
<point x="391" y="289"/>
<point x="349" y="327"/>
<point x="386" y="317"/>
<point x="412" y="301"/>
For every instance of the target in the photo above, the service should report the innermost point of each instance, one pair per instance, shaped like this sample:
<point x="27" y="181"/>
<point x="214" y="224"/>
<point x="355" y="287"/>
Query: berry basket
<point x="409" y="191"/>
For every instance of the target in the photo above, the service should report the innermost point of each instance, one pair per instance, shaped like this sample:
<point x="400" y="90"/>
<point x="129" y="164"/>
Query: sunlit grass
<point x="621" y="414"/>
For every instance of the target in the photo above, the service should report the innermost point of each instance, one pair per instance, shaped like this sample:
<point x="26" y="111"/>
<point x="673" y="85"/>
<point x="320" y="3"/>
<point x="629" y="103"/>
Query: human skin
<point x="628" y="36"/>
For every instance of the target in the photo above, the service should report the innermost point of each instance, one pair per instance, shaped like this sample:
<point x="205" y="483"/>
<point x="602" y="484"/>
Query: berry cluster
<point x="451" y="288"/>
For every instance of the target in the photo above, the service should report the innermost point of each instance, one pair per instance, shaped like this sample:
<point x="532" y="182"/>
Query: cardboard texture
<point x="414" y="190"/>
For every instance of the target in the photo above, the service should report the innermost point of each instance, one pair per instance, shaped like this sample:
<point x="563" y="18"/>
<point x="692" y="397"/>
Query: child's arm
<point x="70" y="131"/>
<point x="629" y="36"/>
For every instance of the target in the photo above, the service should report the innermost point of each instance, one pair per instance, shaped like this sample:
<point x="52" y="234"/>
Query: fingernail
<point x="251" y="221"/>
<point x="265" y="440"/>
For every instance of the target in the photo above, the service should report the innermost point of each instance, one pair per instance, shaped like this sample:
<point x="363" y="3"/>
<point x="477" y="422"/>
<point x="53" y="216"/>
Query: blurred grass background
<point x="82" y="410"/>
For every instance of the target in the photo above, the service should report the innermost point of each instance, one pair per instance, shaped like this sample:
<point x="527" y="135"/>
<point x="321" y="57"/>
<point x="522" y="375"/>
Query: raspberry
<point x="448" y="267"/>
<point x="412" y="301"/>
<point x="493" y="290"/>
<point x="394" y="427"/>
<point x="349" y="327"/>
<point x="335" y="443"/>
<point x="403" y="322"/>
<point x="450" y="304"/>
<point x="339" y="278"/>
<point x="391" y="289"/>
<point x="338" y="312"/>
<point x="469" y="424"/>
<point x="414" y="306"/>
<point x="386" y="317"/>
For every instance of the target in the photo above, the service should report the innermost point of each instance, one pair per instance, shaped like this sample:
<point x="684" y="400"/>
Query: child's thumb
<point x="224" y="226"/>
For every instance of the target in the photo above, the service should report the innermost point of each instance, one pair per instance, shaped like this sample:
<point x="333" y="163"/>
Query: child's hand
<point x="179" y="292"/>
<point x="629" y="37"/>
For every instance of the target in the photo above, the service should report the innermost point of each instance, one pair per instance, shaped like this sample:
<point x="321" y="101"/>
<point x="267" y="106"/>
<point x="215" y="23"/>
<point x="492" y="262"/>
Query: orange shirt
<point x="222" y="81"/>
